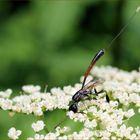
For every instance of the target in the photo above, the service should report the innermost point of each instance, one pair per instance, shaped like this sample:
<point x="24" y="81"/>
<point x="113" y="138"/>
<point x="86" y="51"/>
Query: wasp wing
<point x="91" y="84"/>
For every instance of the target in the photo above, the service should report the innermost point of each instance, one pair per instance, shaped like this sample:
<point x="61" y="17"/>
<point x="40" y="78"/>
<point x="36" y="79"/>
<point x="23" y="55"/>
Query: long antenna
<point x="124" y="27"/>
<point x="101" y="52"/>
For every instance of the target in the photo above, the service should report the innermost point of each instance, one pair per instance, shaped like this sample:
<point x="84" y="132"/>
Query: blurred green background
<point x="51" y="42"/>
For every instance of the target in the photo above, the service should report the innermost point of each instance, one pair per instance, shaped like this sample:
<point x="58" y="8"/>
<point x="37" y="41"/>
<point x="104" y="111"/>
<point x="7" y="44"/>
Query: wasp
<point x="86" y="89"/>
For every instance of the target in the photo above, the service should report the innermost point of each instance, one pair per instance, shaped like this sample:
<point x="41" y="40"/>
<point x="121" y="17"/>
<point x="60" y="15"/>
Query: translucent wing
<point x="91" y="84"/>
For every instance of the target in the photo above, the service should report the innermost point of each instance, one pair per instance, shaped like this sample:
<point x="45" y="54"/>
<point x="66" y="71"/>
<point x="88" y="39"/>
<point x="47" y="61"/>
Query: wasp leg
<point x="96" y="92"/>
<point x="88" y="97"/>
<point x="81" y="112"/>
<point x="107" y="98"/>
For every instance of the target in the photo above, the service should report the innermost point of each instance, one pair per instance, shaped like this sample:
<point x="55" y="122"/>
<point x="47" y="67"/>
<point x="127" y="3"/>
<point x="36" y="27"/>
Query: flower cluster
<point x="13" y="133"/>
<point x="39" y="125"/>
<point x="59" y="134"/>
<point x="101" y="120"/>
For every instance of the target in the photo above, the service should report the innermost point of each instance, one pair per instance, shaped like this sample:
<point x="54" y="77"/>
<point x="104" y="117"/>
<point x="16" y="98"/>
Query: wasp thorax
<point x="79" y="95"/>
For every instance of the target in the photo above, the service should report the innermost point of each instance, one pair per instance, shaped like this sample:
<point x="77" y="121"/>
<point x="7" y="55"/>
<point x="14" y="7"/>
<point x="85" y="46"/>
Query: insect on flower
<point x="86" y="89"/>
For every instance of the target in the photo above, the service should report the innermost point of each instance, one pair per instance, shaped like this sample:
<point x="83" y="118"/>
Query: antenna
<point x="124" y="27"/>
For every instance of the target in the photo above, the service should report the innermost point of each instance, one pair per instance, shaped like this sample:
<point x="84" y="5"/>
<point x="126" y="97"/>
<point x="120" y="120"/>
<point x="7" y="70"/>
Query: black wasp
<point x="86" y="90"/>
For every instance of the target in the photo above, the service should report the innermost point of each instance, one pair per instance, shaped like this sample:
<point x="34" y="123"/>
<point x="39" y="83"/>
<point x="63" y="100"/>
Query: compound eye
<point x="73" y="108"/>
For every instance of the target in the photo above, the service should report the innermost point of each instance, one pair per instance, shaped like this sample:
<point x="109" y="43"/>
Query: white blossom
<point x="39" y="125"/>
<point x="13" y="133"/>
<point x="38" y="137"/>
<point x="5" y="104"/>
<point x="129" y="113"/>
<point x="90" y="124"/>
<point x="50" y="136"/>
<point x="85" y="134"/>
<point x="5" y="94"/>
<point x="31" y="88"/>
<point x="138" y="9"/>
<point x="60" y="130"/>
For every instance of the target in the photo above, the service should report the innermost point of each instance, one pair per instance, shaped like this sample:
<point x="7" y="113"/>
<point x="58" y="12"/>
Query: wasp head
<point x="73" y="107"/>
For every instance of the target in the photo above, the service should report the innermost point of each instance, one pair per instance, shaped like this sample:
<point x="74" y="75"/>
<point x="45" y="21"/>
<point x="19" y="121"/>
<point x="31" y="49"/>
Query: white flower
<point x="30" y="138"/>
<point x="38" y="137"/>
<point x="51" y="136"/>
<point x="31" y="89"/>
<point x="5" y="104"/>
<point x="138" y="9"/>
<point x="92" y="109"/>
<point x="55" y="91"/>
<point x="69" y="90"/>
<point x="137" y="130"/>
<point x="90" y="124"/>
<point x="129" y="113"/>
<point x="139" y="110"/>
<point x="27" y="109"/>
<point x="112" y="126"/>
<point x="62" y="138"/>
<point x="113" y="138"/>
<point x="123" y="98"/>
<point x="84" y="134"/>
<point x="13" y="133"/>
<point x="121" y="131"/>
<point x="114" y="103"/>
<point x="77" y="116"/>
<point x="6" y="94"/>
<point x="37" y="109"/>
<point x="39" y="125"/>
<point x="135" y="98"/>
<point x="62" y="130"/>
<point x="105" y="134"/>
<point x="133" y="136"/>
